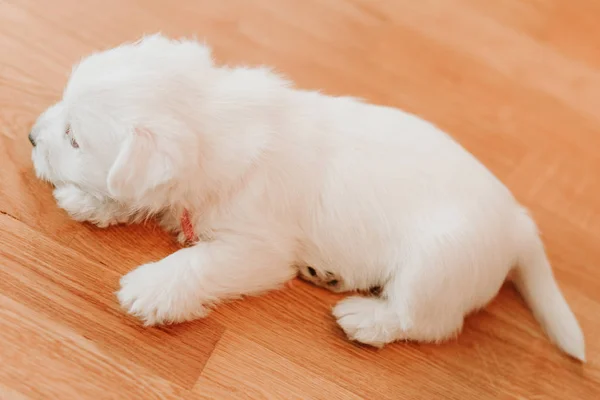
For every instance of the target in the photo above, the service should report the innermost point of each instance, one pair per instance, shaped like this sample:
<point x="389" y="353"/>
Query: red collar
<point x="187" y="227"/>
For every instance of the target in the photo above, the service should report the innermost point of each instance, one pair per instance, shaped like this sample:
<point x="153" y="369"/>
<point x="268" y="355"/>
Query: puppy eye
<point x="74" y="143"/>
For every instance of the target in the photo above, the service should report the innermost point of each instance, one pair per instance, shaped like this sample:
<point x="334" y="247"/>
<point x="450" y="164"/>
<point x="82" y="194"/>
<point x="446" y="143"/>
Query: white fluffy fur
<point x="278" y="179"/>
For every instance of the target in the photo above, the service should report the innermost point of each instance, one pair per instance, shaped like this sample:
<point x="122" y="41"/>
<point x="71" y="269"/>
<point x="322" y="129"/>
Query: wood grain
<point x="516" y="82"/>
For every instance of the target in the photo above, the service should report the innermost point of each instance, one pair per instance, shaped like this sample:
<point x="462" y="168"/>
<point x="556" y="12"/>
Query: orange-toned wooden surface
<point x="516" y="82"/>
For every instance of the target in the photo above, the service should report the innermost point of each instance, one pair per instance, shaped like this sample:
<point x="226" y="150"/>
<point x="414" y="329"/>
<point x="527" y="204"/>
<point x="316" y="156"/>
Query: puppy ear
<point x="140" y="166"/>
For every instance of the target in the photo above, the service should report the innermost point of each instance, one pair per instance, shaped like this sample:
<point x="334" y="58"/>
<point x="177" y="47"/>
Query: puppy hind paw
<point x="364" y="320"/>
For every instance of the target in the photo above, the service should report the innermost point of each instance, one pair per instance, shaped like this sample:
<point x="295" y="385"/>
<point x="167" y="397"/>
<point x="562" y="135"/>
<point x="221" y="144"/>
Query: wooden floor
<point x="517" y="82"/>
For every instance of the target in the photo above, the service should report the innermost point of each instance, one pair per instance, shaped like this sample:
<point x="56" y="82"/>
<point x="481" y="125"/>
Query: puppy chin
<point x="84" y="206"/>
<point x="40" y="166"/>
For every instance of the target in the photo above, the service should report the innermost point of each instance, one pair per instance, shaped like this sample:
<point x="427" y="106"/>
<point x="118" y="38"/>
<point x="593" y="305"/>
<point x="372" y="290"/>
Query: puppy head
<point x="122" y="128"/>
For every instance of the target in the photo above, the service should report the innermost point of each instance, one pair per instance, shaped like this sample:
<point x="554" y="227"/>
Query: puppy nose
<point x="31" y="139"/>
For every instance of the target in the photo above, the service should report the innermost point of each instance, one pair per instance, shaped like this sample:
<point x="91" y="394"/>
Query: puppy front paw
<point x="156" y="294"/>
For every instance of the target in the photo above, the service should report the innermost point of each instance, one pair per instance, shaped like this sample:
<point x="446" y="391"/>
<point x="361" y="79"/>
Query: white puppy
<point x="266" y="181"/>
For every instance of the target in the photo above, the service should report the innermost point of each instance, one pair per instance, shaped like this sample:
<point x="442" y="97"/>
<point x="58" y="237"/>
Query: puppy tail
<point x="535" y="281"/>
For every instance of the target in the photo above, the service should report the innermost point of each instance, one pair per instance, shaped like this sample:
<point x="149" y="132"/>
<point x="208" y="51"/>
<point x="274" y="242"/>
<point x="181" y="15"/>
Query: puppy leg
<point x="83" y="206"/>
<point x="378" y="321"/>
<point x="184" y="285"/>
<point x="413" y="306"/>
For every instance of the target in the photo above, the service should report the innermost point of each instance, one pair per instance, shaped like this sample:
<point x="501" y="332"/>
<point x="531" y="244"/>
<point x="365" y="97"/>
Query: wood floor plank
<point x="241" y="369"/>
<point x="45" y="361"/>
<point x="61" y="284"/>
